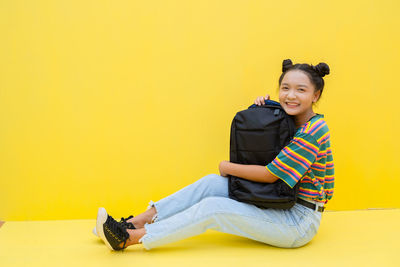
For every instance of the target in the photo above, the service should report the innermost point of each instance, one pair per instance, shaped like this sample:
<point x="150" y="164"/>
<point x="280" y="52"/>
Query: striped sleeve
<point x="295" y="159"/>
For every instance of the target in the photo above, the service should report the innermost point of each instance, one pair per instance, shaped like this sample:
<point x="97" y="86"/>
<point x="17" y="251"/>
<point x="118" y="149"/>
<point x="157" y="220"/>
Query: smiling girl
<point x="205" y="204"/>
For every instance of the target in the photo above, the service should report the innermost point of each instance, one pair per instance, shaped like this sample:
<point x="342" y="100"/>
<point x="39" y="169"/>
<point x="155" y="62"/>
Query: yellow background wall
<point x="116" y="103"/>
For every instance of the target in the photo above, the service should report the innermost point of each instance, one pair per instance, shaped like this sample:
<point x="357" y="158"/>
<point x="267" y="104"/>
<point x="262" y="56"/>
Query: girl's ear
<point x="316" y="96"/>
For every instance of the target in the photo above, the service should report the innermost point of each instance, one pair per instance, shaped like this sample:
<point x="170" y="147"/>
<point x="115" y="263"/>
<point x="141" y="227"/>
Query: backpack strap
<point x="267" y="103"/>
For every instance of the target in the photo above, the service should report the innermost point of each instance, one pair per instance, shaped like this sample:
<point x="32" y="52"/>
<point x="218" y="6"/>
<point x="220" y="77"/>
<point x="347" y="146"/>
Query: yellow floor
<point x="345" y="238"/>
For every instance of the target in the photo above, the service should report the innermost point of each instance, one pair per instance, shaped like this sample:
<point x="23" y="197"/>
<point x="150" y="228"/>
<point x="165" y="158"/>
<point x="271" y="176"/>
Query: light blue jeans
<point x="205" y="204"/>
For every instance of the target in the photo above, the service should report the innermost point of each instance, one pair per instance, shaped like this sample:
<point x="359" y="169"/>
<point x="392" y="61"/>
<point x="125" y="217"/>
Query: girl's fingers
<point x="260" y="100"/>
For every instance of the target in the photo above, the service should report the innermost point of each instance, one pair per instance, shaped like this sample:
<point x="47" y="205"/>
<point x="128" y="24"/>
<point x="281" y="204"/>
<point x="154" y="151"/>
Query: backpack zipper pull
<point x="276" y="112"/>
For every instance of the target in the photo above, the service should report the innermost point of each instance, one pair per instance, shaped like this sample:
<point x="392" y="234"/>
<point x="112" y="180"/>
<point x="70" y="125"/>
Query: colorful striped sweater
<point x="308" y="159"/>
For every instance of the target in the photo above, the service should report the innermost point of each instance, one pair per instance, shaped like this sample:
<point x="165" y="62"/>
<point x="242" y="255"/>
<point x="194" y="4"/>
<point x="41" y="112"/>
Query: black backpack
<point x="257" y="136"/>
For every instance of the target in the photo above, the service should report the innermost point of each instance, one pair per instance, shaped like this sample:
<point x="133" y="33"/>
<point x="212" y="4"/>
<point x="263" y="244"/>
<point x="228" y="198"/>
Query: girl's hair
<point x="314" y="73"/>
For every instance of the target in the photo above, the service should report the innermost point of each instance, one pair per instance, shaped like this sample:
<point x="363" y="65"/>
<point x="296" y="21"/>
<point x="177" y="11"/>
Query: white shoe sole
<point x="101" y="219"/>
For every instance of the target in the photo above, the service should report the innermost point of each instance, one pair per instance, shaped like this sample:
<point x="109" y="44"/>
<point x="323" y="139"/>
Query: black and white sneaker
<point x="113" y="233"/>
<point x="123" y="220"/>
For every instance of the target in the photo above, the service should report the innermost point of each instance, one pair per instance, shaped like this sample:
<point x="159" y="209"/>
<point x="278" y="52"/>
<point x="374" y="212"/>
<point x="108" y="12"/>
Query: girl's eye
<point x="302" y="90"/>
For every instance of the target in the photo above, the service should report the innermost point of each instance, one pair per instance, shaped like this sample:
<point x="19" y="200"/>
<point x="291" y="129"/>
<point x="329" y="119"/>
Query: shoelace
<point x="128" y="224"/>
<point x="118" y="229"/>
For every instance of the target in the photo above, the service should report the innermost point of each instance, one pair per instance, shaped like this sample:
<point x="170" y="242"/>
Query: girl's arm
<point x="255" y="173"/>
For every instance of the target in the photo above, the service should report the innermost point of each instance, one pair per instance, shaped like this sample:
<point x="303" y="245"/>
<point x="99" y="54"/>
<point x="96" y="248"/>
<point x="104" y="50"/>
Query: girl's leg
<point x="209" y="185"/>
<point x="277" y="227"/>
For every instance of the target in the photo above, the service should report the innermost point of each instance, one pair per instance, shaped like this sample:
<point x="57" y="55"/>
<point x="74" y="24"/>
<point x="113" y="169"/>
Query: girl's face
<point x="296" y="93"/>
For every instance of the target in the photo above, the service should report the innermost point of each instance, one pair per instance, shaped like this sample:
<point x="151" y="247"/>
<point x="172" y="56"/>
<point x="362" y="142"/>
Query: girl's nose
<point x="291" y="95"/>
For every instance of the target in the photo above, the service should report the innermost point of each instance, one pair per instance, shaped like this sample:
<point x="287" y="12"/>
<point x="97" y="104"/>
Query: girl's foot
<point x="123" y="220"/>
<point x="113" y="233"/>
<point x="136" y="222"/>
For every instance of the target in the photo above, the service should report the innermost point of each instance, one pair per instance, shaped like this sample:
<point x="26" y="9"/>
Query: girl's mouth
<point x="292" y="105"/>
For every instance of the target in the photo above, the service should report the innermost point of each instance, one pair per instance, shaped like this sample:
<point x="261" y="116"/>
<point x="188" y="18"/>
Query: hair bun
<point x="286" y="64"/>
<point x="322" y="69"/>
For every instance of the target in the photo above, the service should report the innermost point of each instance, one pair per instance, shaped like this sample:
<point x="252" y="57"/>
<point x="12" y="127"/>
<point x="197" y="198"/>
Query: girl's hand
<point x="261" y="100"/>
<point x="222" y="167"/>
